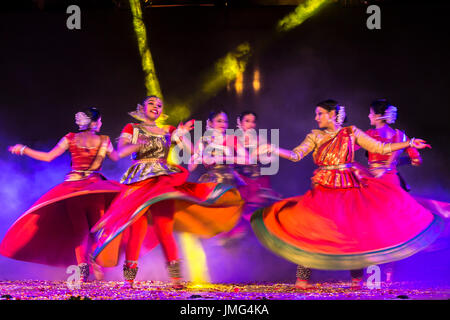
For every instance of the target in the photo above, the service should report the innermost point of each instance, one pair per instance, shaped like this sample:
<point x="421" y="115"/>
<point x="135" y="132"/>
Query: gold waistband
<point x="337" y="167"/>
<point x="381" y="164"/>
<point x="76" y="175"/>
<point x="151" y="160"/>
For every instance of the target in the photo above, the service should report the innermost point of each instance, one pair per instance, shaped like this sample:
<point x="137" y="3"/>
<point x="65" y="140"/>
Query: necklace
<point x="332" y="132"/>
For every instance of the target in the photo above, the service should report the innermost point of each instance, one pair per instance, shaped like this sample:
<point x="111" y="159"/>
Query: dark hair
<point x="245" y="113"/>
<point x="331" y="105"/>
<point x="215" y="113"/>
<point x="148" y="97"/>
<point x="93" y="113"/>
<point x="380" y="106"/>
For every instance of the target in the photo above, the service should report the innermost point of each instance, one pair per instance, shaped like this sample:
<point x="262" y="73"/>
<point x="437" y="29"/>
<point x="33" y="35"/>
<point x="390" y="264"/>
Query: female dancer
<point x="385" y="166"/>
<point x="157" y="196"/>
<point x="219" y="153"/>
<point x="59" y="222"/>
<point x="256" y="192"/>
<point x="341" y="224"/>
<point x="382" y="113"/>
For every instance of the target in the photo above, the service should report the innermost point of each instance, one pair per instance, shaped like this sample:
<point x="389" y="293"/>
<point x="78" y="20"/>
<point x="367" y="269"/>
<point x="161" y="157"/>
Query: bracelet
<point x="22" y="150"/>
<point x="293" y="156"/>
<point x="411" y="142"/>
<point x="390" y="147"/>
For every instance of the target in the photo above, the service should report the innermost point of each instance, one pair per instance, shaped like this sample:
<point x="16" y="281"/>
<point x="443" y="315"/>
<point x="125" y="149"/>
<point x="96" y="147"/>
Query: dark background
<point x="48" y="73"/>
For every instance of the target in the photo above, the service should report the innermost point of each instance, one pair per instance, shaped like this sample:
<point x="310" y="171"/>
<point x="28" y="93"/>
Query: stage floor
<point x="156" y="290"/>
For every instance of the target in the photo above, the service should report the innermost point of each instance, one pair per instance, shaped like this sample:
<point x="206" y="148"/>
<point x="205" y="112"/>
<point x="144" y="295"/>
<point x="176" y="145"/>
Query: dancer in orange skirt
<point x="55" y="230"/>
<point x="341" y="223"/>
<point x="157" y="199"/>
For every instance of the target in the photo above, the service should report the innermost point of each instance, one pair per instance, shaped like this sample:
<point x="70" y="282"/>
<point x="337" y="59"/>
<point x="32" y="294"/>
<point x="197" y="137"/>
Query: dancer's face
<point x="220" y="122"/>
<point x="324" y="118"/>
<point x="153" y="108"/>
<point x="248" y="122"/>
<point x="374" y="118"/>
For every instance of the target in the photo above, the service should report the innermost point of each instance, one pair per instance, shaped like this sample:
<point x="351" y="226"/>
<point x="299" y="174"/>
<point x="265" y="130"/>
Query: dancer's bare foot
<point x="303" y="284"/>
<point x="177" y="283"/>
<point x="128" y="284"/>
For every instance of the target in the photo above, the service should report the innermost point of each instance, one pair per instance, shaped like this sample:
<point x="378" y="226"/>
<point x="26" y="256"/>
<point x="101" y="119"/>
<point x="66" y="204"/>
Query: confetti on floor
<point x="157" y="290"/>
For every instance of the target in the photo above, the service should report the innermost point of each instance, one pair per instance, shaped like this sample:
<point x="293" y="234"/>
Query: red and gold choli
<point x="335" y="157"/>
<point x="389" y="162"/>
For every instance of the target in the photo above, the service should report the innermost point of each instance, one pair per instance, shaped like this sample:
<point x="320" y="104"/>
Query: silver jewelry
<point x="411" y="142"/>
<point x="22" y="150"/>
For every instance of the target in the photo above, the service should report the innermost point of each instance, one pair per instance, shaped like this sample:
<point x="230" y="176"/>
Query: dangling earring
<point x="208" y="125"/>
<point x="238" y="124"/>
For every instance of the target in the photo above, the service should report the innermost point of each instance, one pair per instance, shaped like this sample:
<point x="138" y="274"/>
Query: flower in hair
<point x="340" y="118"/>
<point x="390" y="114"/>
<point x="82" y="120"/>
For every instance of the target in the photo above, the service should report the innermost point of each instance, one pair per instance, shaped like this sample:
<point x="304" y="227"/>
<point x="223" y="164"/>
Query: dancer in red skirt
<point x="348" y="220"/>
<point x="157" y="199"/>
<point x="382" y="115"/>
<point x="58" y="224"/>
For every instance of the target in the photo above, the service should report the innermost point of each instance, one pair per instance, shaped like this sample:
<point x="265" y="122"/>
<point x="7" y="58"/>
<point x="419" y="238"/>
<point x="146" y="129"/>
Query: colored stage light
<point x="195" y="258"/>
<point x="300" y="14"/>
<point x="151" y="80"/>
<point x="227" y="69"/>
<point x="256" y="81"/>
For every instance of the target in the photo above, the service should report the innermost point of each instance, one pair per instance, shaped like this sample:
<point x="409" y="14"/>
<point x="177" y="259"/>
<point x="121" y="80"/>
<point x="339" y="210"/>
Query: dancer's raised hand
<point x="419" y="144"/>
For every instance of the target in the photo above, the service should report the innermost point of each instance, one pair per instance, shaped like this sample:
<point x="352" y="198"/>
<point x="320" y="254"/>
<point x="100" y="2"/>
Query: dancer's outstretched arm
<point x="59" y="149"/>
<point x="112" y="153"/>
<point x="296" y="154"/>
<point x="178" y="136"/>
<point x="375" y="146"/>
